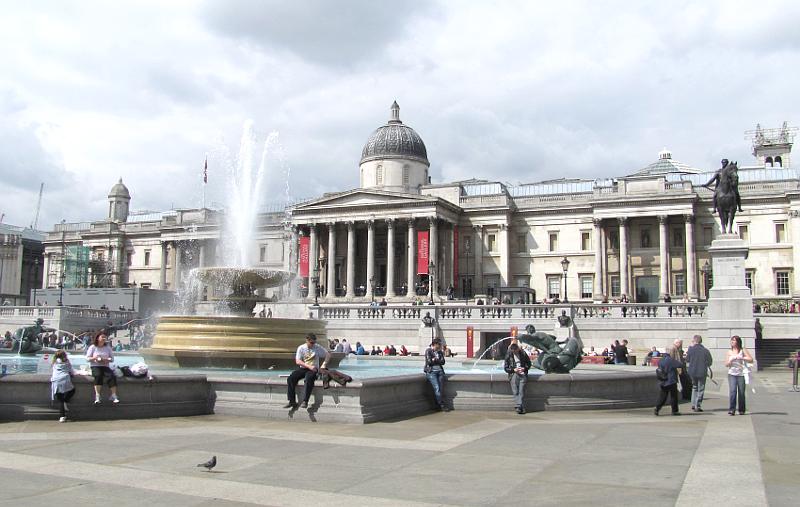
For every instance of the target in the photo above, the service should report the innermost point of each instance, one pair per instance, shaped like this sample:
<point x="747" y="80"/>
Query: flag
<point x="205" y="172"/>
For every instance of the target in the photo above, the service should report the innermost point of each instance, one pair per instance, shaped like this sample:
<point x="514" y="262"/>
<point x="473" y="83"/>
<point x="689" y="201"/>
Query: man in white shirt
<point x="307" y="359"/>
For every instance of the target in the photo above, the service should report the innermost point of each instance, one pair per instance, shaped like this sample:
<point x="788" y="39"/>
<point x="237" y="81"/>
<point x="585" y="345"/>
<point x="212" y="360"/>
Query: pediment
<point x="364" y="198"/>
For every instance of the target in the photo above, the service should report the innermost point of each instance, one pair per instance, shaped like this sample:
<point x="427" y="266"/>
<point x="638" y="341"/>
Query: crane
<point x="35" y="222"/>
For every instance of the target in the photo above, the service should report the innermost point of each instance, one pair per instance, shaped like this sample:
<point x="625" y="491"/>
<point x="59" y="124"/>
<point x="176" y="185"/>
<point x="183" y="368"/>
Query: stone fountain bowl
<point x="229" y="277"/>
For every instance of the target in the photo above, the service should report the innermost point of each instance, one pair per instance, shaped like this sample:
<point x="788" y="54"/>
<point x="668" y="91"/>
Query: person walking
<point x="307" y="358"/>
<point x="699" y="361"/>
<point x="517" y="364"/>
<point x="683" y="376"/>
<point x="620" y="352"/>
<point x="668" y="381"/>
<point x="100" y="357"/>
<point x="434" y="370"/>
<point x="61" y="387"/>
<point x="736" y="362"/>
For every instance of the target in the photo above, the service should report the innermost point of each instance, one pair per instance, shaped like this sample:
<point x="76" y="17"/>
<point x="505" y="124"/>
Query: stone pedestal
<point x="730" y="304"/>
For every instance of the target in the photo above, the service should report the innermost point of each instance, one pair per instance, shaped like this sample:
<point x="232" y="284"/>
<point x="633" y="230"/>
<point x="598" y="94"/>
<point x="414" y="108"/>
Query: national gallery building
<point x="641" y="235"/>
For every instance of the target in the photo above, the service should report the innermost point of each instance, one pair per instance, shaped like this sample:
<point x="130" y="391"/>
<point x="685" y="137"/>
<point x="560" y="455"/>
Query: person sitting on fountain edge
<point x="307" y="359"/>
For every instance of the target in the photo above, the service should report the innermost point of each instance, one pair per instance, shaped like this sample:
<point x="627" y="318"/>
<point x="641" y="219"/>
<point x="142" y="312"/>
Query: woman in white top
<point x="737" y="360"/>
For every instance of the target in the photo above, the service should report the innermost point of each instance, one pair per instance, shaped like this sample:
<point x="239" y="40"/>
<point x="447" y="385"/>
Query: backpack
<point x="661" y="373"/>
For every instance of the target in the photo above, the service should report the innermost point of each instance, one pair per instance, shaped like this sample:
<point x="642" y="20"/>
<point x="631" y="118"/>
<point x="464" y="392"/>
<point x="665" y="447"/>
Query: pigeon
<point x="209" y="464"/>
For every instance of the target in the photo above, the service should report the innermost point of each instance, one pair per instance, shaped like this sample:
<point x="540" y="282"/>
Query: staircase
<point x="773" y="353"/>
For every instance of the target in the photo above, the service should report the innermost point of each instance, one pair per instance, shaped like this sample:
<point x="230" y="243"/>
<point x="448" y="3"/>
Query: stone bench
<point x="27" y="396"/>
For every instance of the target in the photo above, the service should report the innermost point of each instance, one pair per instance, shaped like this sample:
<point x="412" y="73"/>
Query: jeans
<point x="698" y="390"/>
<point x="672" y="390"/>
<point x="518" y="388"/>
<point x="436" y="378"/>
<point x="309" y="377"/>
<point x="736" y="387"/>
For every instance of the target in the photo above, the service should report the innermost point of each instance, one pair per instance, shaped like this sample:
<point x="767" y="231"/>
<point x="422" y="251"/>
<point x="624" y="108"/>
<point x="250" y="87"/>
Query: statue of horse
<point x="726" y="195"/>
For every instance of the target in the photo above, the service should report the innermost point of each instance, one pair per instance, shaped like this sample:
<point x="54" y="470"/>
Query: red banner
<point x="422" y="252"/>
<point x="470" y="341"/>
<point x="455" y="257"/>
<point x="514" y="331"/>
<point x="303" y="256"/>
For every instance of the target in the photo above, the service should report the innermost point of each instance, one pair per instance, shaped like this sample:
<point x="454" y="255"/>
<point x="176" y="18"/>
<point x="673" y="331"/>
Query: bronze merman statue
<point x="28" y="337"/>
<point x="726" y="199"/>
<point x="553" y="357"/>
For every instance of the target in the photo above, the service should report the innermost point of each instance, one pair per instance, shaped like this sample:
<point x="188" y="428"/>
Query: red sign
<point x="470" y="341"/>
<point x="455" y="256"/>
<point x="303" y="255"/>
<point x="422" y="252"/>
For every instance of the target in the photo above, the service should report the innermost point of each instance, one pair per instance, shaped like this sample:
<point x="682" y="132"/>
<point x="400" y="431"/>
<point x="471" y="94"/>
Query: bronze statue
<point x="564" y="320"/>
<point x="28" y="337"/>
<point x="553" y="357"/>
<point x="726" y="198"/>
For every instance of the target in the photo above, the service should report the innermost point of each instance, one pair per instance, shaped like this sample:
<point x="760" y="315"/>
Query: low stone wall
<point x="25" y="397"/>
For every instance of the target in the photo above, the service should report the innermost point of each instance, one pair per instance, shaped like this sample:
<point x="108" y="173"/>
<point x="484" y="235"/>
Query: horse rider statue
<point x="726" y="199"/>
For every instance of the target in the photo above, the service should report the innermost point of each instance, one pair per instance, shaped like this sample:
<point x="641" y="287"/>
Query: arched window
<point x="778" y="161"/>
<point x="768" y="162"/>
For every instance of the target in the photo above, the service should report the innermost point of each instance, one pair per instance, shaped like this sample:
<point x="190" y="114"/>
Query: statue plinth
<point x="730" y="304"/>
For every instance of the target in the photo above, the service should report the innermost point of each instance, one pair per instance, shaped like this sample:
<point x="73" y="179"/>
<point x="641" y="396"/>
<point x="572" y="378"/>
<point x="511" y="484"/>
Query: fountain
<point x="220" y="330"/>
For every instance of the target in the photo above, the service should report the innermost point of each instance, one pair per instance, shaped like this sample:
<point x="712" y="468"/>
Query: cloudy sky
<point x="516" y="91"/>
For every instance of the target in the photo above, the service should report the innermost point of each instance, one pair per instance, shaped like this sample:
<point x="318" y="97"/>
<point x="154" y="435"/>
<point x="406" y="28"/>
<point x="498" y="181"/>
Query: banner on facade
<point x="455" y="257"/>
<point x="303" y="256"/>
<point x="470" y="341"/>
<point x="422" y="252"/>
<point x="514" y="331"/>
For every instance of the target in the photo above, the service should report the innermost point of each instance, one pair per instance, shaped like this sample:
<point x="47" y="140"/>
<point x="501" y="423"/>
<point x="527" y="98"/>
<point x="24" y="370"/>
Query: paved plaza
<point x="616" y="457"/>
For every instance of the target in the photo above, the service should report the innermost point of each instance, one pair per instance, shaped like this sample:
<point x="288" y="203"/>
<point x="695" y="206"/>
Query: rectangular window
<point x="615" y="292"/>
<point x="613" y="240"/>
<point x="523" y="281"/>
<point x="748" y="280"/>
<point x="100" y="256"/>
<point x="677" y="238"/>
<point x="782" y="283"/>
<point x="707" y="235"/>
<point x="780" y="233"/>
<point x="129" y="259"/>
<point x="586" y="241"/>
<point x="679" y="284"/>
<point x="644" y="239"/>
<point x="262" y="254"/>
<point x="553" y="242"/>
<point x="405" y="175"/>
<point x="744" y="233"/>
<point x="554" y="287"/>
<point x="587" y="287"/>
<point x="522" y="243"/>
<point x="379" y="175"/>
<point x="147" y="257"/>
<point x="491" y="241"/>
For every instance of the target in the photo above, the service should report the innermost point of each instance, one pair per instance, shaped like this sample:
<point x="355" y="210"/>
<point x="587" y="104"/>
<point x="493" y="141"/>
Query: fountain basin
<point x="231" y="342"/>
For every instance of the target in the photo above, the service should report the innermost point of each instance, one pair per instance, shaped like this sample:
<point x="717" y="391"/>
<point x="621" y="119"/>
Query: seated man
<point x="307" y="358"/>
<point x="650" y="355"/>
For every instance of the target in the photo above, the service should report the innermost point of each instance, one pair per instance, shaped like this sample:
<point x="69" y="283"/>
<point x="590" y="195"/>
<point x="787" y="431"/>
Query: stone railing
<point x="456" y="312"/>
<point x="65" y="318"/>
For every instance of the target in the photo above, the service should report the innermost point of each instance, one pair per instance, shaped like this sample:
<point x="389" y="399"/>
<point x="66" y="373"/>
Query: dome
<point x="395" y="140"/>
<point x="119" y="190"/>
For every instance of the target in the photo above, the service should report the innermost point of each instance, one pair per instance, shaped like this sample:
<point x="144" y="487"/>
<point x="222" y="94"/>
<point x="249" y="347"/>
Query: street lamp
<point x="35" y="279"/>
<point x="706" y="269"/>
<point x="315" y="281"/>
<point x="431" y="267"/>
<point x="372" y="287"/>
<point x="565" y="268"/>
<point x="133" y="295"/>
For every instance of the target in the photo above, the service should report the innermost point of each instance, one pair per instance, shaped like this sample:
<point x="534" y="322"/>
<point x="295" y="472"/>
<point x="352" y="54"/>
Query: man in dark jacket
<point x="700" y="360"/>
<point x="669" y="386"/>
<point x="517" y="364"/>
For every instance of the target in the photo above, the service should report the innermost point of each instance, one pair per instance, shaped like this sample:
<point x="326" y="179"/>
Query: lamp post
<point x="133" y="295"/>
<point x="565" y="268"/>
<point x="35" y="279"/>
<point x="372" y="287"/>
<point x="706" y="269"/>
<point x="315" y="280"/>
<point x="431" y="267"/>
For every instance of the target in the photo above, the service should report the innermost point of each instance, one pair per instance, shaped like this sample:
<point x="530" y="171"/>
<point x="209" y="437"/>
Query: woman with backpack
<point x="667" y="373"/>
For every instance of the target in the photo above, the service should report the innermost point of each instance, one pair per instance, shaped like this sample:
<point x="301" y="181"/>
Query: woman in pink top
<point x="100" y="357"/>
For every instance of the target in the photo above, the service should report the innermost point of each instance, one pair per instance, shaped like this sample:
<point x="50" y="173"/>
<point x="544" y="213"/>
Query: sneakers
<point x="62" y="419"/>
<point x="304" y="404"/>
<point x="291" y="404"/>
<point x="694" y="409"/>
<point x="97" y="400"/>
<point x="731" y="413"/>
<point x="699" y="409"/>
<point x="113" y="399"/>
<point x="520" y="410"/>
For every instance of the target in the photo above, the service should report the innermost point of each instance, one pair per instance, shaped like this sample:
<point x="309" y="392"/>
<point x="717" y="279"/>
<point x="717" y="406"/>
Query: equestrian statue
<point x="726" y="198"/>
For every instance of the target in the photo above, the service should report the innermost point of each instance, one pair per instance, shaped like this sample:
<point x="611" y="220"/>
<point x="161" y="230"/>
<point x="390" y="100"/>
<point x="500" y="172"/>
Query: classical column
<point x="162" y="280"/>
<point x="390" y="258"/>
<point x="351" y="258"/>
<point x="202" y="255"/>
<point x="624" y="285"/>
<point x="794" y="228"/>
<point x="176" y="274"/>
<point x="598" y="261"/>
<point x="412" y="258"/>
<point x="313" y="260"/>
<point x="331" y="283"/>
<point x="663" y="246"/>
<point x="691" y="259"/>
<point x="477" y="245"/>
<point x="46" y="273"/>
<point x="370" y="256"/>
<point x="504" y="256"/>
<point x="433" y="252"/>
